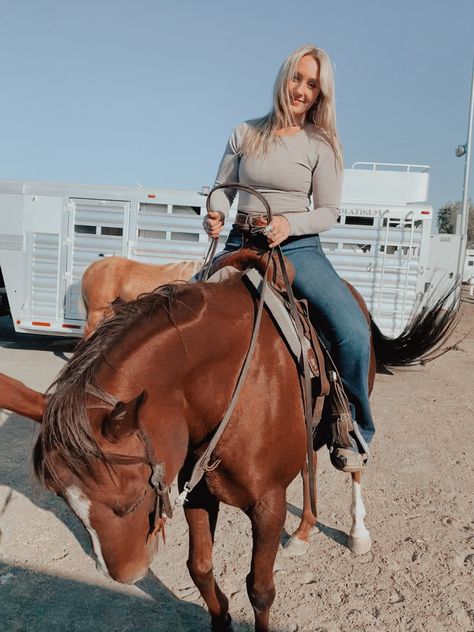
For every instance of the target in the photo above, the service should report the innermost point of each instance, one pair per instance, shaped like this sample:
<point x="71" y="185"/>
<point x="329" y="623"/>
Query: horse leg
<point x="202" y="524"/>
<point x="20" y="399"/>
<point x="359" y="538"/>
<point x="299" y="542"/>
<point x="268" y="518"/>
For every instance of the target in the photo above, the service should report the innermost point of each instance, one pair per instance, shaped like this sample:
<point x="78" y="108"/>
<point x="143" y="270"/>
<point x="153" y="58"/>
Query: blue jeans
<point x="336" y="315"/>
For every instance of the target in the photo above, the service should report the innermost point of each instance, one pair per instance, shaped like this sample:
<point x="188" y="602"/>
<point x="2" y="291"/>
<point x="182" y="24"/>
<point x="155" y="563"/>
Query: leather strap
<point x="203" y="464"/>
<point x="305" y="383"/>
<point x="203" y="274"/>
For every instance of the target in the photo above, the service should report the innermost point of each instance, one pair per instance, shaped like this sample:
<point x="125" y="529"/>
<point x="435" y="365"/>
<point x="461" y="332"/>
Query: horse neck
<point x="187" y="363"/>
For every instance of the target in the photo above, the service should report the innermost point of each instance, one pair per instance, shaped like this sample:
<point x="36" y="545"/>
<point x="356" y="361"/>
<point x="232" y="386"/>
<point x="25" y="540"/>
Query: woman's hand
<point x="213" y="223"/>
<point x="277" y="231"/>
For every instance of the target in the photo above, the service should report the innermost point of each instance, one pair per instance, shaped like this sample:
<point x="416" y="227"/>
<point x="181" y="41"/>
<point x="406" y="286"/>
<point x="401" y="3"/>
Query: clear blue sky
<point x="115" y="91"/>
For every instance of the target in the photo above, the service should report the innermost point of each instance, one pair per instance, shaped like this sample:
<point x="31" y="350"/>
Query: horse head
<point x="116" y="485"/>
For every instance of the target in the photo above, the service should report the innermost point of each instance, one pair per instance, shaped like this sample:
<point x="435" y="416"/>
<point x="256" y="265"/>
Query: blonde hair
<point x="322" y="114"/>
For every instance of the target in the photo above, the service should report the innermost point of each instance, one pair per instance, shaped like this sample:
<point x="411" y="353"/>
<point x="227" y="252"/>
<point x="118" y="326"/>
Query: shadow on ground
<point x="330" y="532"/>
<point x="17" y="437"/>
<point x="58" y="345"/>
<point x="37" y="602"/>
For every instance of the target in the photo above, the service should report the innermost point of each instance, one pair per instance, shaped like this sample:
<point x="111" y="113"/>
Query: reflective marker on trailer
<point x="426" y="212"/>
<point x="68" y="326"/>
<point x="39" y="324"/>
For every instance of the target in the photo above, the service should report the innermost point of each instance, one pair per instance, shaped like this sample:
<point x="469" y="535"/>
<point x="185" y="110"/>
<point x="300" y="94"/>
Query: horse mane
<point x="66" y="431"/>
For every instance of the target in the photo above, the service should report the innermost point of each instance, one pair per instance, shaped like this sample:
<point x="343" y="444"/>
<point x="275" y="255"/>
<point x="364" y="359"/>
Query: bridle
<point x="163" y="508"/>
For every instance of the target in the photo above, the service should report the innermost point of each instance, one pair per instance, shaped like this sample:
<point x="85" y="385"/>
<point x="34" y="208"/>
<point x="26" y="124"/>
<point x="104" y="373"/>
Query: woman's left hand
<point x="277" y="231"/>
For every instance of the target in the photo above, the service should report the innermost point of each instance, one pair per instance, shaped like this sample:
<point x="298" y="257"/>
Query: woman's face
<point x="303" y="87"/>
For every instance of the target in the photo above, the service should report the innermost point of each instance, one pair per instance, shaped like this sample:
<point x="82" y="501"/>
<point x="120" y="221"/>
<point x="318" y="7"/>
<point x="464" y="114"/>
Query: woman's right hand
<point x="213" y="223"/>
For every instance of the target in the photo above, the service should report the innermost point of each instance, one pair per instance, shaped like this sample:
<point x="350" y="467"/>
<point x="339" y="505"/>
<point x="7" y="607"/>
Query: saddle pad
<point x="281" y="315"/>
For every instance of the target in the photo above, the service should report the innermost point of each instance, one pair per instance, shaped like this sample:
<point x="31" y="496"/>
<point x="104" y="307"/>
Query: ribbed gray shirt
<point x="295" y="169"/>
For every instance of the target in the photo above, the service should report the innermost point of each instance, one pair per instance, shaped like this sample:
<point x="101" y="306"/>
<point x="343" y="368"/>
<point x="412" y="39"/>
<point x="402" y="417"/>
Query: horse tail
<point x="423" y="336"/>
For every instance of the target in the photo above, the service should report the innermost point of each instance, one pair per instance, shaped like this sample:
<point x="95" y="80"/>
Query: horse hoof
<point x="295" y="546"/>
<point x="359" y="546"/>
<point x="223" y="626"/>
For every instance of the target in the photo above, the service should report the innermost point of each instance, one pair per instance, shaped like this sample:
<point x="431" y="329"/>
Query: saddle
<point x="246" y="258"/>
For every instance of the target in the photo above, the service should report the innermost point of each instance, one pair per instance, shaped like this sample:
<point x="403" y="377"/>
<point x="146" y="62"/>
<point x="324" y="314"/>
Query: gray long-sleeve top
<point x="294" y="169"/>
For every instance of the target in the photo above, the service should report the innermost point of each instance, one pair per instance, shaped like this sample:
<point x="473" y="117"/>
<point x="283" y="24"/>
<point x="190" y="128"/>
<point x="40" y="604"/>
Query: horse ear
<point x="122" y="421"/>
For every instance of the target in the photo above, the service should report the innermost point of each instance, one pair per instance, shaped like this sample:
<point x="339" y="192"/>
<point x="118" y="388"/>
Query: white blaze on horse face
<point x="359" y="537"/>
<point x="80" y="504"/>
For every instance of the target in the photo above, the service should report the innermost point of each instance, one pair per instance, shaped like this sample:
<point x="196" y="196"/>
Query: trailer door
<point x="96" y="228"/>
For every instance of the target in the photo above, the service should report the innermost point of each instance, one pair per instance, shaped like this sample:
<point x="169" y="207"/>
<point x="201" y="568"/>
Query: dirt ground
<point x="418" y="493"/>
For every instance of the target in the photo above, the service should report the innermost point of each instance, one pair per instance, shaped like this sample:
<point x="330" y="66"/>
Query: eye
<point x="126" y="511"/>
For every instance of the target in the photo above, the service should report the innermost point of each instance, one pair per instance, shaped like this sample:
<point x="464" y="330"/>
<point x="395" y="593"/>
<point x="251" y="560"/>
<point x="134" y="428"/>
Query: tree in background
<point x="447" y="219"/>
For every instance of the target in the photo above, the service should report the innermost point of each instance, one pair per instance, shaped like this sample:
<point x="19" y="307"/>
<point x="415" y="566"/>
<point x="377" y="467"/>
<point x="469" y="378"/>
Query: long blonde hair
<point x="322" y="114"/>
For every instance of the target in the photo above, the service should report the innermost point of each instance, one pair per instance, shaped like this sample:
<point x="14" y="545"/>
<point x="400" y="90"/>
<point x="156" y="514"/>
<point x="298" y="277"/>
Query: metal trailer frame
<point x="50" y="232"/>
<point x="468" y="273"/>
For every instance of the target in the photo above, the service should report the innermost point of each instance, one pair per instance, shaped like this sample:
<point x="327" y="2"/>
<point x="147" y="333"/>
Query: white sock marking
<point x="358" y="529"/>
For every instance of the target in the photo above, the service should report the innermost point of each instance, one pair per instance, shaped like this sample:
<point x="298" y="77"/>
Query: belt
<point x="250" y="223"/>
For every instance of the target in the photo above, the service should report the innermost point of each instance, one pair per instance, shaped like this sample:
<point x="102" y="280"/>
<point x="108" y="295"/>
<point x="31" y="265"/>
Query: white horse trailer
<point x="49" y="234"/>
<point x="468" y="272"/>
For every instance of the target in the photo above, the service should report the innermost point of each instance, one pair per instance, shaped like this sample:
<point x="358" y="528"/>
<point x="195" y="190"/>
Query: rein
<point x="203" y="464"/>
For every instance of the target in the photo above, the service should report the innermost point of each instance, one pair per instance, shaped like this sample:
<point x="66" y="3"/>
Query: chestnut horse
<point x="111" y="278"/>
<point x="145" y="394"/>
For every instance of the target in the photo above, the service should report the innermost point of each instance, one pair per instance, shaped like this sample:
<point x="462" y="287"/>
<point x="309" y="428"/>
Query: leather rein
<point x="203" y="464"/>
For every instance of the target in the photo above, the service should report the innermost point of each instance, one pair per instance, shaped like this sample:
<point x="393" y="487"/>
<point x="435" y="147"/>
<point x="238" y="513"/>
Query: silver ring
<point x="268" y="229"/>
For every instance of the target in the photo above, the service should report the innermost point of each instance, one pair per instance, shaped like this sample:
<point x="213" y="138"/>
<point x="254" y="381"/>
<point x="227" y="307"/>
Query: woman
<point x="290" y="155"/>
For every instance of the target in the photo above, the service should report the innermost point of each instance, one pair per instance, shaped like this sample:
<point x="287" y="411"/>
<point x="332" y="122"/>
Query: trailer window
<point x="356" y="247"/>
<point x="356" y="220"/>
<point x="152" y="234"/>
<point x="398" y="222"/>
<point x="147" y="208"/>
<point x="403" y="250"/>
<point x="114" y="231"/>
<point x="185" y="236"/>
<point x="85" y="230"/>
<point x="186" y="210"/>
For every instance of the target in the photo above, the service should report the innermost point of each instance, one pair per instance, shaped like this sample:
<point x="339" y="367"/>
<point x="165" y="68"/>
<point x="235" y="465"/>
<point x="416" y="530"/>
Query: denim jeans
<point x="336" y="315"/>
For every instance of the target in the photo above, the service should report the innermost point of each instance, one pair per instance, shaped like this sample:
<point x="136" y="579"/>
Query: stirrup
<point x="353" y="458"/>
<point x="348" y="460"/>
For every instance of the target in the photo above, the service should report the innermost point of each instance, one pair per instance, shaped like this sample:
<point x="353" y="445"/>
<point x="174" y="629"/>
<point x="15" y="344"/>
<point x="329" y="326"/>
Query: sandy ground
<point x="418" y="493"/>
